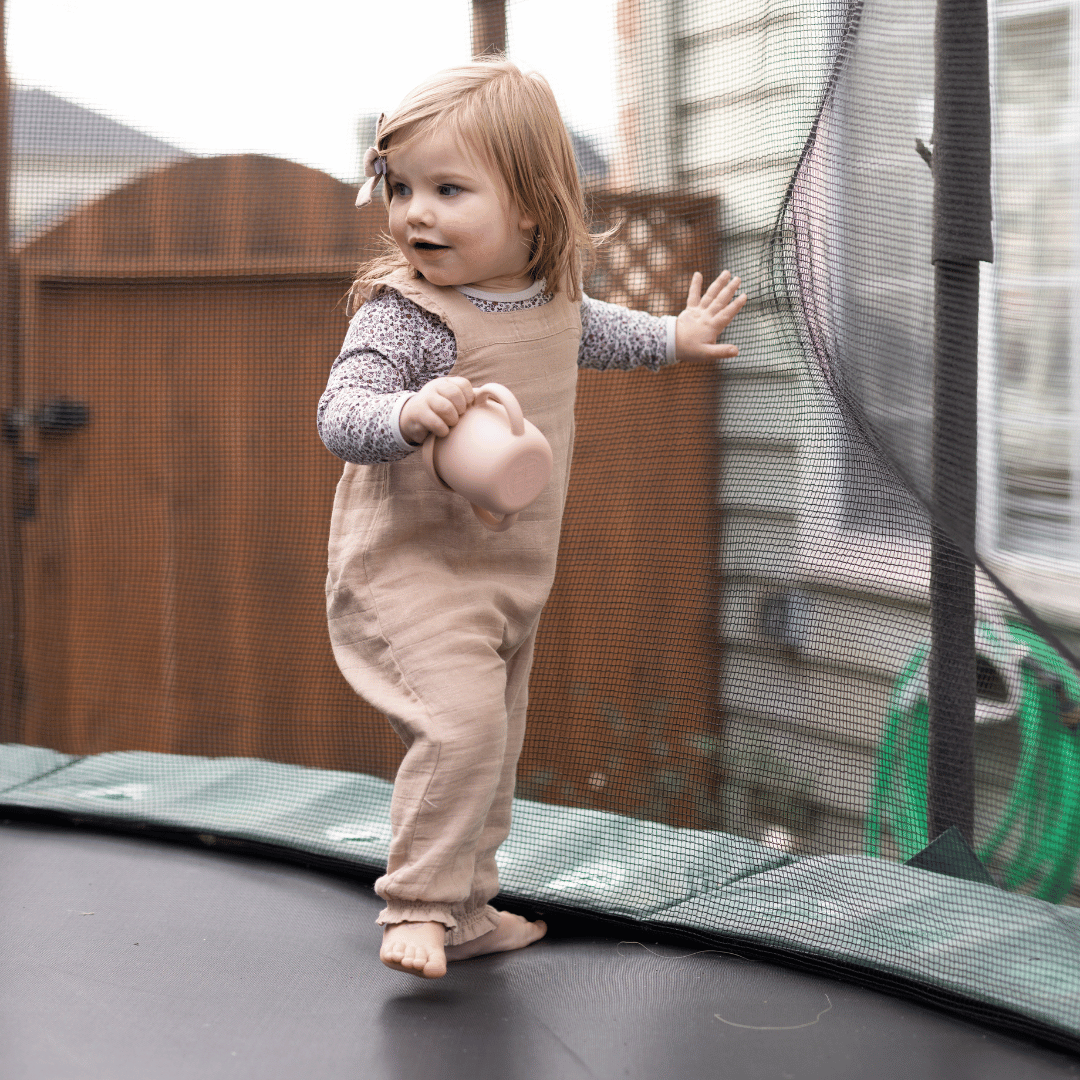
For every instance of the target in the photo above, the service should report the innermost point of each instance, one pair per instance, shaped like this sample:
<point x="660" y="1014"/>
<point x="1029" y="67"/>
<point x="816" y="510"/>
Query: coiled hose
<point x="1034" y="844"/>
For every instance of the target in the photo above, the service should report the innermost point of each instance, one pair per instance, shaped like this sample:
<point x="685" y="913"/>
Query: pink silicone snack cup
<point x="493" y="457"/>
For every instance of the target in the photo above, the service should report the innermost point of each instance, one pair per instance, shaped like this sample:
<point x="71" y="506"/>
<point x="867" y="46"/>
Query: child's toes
<point x="415" y="948"/>
<point x="434" y="966"/>
<point x="396" y="955"/>
<point x="416" y="959"/>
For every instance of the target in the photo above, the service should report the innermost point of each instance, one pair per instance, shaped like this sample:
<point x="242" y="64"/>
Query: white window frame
<point x="1051" y="584"/>
<point x="895" y="566"/>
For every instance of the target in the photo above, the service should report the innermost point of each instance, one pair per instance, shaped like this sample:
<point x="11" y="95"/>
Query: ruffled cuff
<point x="464" y="928"/>
<point x="398" y="912"/>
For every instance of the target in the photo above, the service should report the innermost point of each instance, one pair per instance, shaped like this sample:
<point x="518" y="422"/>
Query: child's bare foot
<point x="513" y="932"/>
<point x="415" y="947"/>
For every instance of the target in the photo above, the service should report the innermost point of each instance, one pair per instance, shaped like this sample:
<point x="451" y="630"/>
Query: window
<point x="1035" y="422"/>
<point x="1029" y="508"/>
<point x="1030" y="504"/>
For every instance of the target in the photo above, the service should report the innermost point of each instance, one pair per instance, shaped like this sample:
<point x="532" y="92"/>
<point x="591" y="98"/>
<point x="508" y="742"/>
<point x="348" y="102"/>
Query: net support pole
<point x="488" y="26"/>
<point x="961" y="240"/>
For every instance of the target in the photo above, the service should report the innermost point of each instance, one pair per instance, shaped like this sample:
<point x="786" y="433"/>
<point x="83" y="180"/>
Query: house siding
<point x="804" y="701"/>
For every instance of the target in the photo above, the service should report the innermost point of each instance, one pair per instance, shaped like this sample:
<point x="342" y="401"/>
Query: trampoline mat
<point x="122" y="958"/>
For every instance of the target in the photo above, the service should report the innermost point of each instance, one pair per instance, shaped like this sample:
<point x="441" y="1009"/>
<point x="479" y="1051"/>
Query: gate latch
<point x="59" y="416"/>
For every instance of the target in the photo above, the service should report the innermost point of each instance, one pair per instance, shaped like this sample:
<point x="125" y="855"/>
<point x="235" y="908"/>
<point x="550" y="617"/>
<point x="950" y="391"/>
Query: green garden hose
<point x="1034" y="845"/>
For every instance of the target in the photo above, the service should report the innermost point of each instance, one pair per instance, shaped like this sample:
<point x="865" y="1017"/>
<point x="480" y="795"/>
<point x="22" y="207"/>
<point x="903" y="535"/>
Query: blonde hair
<point x="511" y="121"/>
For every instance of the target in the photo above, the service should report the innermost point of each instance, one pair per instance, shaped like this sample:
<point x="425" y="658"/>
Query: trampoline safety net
<point x="731" y="725"/>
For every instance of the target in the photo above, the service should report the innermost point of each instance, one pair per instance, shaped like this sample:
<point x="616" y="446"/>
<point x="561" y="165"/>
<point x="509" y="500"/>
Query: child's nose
<point x="420" y="212"/>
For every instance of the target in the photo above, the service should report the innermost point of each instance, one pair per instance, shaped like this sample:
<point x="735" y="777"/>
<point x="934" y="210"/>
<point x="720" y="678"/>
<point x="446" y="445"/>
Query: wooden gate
<point x="174" y="339"/>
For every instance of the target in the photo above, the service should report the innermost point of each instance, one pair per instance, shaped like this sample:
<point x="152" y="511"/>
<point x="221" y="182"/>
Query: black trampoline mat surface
<point x="129" y="958"/>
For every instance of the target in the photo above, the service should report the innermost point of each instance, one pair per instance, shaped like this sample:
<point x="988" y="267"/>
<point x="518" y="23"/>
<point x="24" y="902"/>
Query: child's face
<point x="454" y="220"/>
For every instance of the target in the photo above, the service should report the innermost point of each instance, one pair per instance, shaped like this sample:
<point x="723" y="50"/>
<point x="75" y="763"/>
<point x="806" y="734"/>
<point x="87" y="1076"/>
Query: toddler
<point x="433" y="617"/>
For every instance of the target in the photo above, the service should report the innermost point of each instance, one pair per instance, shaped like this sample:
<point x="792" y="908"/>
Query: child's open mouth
<point x="424" y="245"/>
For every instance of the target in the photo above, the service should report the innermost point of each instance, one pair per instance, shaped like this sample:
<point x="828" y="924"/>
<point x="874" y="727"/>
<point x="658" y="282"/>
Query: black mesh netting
<point x="728" y="721"/>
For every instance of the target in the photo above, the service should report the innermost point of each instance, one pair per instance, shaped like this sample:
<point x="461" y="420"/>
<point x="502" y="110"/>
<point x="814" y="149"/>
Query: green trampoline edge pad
<point x="1001" y="950"/>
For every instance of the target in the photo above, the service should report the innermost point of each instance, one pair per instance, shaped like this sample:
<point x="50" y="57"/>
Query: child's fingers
<point x="437" y="408"/>
<point x="693" y="297"/>
<point x="465" y="386"/>
<point x="719" y="352"/>
<point x="735" y="304"/>
<point x="722" y="296"/>
<point x="716" y="287"/>
<point x="704" y="351"/>
<point x="456" y="388"/>
<point x="457" y="402"/>
<point x="449" y="410"/>
<point x="721" y="316"/>
<point x="456" y="391"/>
<point x="422" y="422"/>
<point x="432" y="418"/>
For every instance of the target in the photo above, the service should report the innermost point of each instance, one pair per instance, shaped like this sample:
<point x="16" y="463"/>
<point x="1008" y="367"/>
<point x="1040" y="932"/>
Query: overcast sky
<point x="291" y="79"/>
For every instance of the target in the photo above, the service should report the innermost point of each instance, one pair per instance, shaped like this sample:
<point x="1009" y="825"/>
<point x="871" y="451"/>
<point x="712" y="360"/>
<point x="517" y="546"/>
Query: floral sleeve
<point x="614" y="337"/>
<point x="392" y="348"/>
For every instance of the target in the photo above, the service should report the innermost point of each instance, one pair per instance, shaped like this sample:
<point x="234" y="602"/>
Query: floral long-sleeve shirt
<point x="393" y="347"/>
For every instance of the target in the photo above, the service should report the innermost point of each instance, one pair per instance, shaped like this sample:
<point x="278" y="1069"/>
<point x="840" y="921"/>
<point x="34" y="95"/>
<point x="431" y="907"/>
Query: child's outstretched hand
<point x="705" y="317"/>
<point x="435" y="407"/>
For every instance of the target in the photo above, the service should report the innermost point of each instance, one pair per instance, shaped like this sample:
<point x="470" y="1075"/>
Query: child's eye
<point x="400" y="189"/>
<point x="449" y="190"/>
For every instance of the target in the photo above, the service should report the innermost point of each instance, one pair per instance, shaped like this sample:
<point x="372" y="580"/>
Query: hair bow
<point x="374" y="166"/>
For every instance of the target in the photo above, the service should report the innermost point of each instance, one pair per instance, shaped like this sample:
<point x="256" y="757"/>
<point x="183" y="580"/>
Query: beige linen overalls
<point x="433" y="617"/>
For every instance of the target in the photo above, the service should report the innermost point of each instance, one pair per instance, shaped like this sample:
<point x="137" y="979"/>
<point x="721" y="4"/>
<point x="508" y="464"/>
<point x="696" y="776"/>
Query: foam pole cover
<point x="961" y="238"/>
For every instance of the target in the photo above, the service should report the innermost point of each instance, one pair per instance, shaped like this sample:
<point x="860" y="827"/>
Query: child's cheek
<point x="397" y="227"/>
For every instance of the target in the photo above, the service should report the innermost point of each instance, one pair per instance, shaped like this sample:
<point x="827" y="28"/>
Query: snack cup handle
<point x="428" y="452"/>
<point x="490" y="521"/>
<point x="505" y="397"/>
